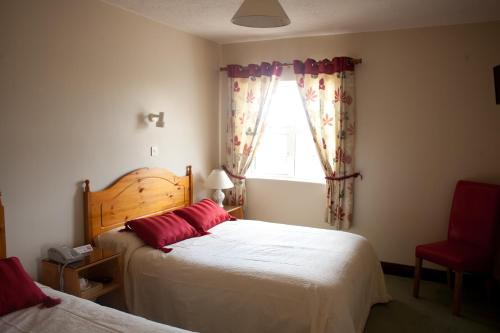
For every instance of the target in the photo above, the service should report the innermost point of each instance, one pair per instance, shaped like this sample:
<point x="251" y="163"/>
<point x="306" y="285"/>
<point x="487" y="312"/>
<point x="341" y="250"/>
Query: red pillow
<point x="17" y="290"/>
<point x="161" y="230"/>
<point x="204" y="215"/>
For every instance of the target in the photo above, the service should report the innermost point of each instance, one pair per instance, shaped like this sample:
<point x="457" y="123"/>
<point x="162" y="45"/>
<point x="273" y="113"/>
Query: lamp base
<point x="218" y="197"/>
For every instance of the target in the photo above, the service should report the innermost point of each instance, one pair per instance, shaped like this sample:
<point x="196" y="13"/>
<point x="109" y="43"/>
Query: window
<point x="287" y="150"/>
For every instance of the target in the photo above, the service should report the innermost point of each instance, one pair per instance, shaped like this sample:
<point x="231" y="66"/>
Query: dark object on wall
<point x="496" y="73"/>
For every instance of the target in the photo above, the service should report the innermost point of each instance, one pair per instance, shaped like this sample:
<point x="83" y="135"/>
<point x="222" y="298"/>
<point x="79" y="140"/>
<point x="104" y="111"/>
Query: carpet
<point x="432" y="311"/>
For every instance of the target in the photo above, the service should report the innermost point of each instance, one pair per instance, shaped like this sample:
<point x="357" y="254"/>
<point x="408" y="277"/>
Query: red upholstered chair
<point x="470" y="247"/>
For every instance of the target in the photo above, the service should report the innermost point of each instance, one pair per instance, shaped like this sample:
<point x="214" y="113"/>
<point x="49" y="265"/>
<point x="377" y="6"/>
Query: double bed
<point x="245" y="276"/>
<point x="73" y="314"/>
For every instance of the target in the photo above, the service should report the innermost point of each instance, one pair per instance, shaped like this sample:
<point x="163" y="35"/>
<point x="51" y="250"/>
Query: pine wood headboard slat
<point x="140" y="193"/>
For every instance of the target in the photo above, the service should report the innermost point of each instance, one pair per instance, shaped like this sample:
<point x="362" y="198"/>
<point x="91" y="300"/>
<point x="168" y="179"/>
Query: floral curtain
<point x="251" y="91"/>
<point x="327" y="90"/>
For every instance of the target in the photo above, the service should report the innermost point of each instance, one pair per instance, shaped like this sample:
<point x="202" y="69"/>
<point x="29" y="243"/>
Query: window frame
<point x="292" y="133"/>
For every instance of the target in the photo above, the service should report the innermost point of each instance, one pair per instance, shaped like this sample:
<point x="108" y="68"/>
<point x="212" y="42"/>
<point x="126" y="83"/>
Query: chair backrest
<point x="475" y="214"/>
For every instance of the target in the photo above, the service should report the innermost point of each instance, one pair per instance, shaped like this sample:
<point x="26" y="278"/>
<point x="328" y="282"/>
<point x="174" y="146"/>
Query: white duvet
<point x="255" y="277"/>
<point x="76" y="315"/>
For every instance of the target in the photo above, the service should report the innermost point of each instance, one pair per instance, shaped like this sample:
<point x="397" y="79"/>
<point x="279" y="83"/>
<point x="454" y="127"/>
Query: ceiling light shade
<point x="261" y="14"/>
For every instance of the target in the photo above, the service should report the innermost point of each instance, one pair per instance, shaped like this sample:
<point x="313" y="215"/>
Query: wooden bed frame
<point x="140" y="193"/>
<point x="3" y="244"/>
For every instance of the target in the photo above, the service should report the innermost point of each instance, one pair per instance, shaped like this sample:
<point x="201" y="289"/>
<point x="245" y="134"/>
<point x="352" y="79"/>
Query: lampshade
<point x="218" y="179"/>
<point x="261" y="14"/>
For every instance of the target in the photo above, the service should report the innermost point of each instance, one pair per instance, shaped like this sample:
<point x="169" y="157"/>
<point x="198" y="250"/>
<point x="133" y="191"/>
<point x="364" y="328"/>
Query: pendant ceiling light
<point x="261" y="14"/>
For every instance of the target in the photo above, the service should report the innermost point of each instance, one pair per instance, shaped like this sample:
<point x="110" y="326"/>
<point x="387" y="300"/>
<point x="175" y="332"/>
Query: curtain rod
<point x="354" y="61"/>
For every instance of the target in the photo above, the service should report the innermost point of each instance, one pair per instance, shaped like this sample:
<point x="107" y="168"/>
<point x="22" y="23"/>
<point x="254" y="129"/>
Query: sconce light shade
<point x="261" y="14"/>
<point x="161" y="119"/>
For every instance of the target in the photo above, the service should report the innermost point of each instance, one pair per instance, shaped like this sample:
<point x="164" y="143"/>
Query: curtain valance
<point x="311" y="66"/>
<point x="253" y="70"/>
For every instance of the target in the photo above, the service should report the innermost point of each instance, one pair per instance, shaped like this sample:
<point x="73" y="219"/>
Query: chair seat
<point x="458" y="256"/>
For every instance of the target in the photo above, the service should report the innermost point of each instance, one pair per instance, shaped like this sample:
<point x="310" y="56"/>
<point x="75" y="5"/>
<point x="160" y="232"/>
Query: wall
<point x="77" y="78"/>
<point x="426" y="117"/>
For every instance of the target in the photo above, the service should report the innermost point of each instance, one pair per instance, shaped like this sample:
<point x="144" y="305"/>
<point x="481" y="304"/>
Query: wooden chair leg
<point x="416" y="280"/>
<point x="457" y="293"/>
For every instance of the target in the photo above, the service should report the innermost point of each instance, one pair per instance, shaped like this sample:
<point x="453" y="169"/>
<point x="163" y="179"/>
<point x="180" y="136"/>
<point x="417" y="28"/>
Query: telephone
<point x="67" y="255"/>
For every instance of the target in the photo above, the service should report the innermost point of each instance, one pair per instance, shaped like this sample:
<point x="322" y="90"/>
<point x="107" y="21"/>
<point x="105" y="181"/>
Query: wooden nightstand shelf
<point x="99" y="264"/>
<point x="236" y="211"/>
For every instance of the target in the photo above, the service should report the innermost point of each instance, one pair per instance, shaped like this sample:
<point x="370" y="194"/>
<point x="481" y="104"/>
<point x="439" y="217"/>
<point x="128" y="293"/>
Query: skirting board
<point x="429" y="274"/>
<point x="471" y="281"/>
<point x="408" y="271"/>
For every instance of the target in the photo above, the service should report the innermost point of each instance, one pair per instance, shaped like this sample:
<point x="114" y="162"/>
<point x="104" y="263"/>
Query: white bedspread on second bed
<point x="76" y="315"/>
<point x="255" y="277"/>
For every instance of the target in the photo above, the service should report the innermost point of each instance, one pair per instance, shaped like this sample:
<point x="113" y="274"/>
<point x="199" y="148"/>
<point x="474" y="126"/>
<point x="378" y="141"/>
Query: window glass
<point x="287" y="149"/>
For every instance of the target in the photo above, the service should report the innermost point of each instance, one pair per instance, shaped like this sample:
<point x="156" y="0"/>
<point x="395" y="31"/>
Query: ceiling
<point x="210" y="19"/>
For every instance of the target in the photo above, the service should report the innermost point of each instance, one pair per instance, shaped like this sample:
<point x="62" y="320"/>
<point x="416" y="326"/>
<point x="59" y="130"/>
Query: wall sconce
<point x="161" y="119"/>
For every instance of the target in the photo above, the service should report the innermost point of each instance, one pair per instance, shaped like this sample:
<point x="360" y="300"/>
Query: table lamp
<point x="218" y="180"/>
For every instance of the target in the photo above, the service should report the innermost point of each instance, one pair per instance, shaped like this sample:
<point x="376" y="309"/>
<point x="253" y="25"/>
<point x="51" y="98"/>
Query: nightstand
<point x="236" y="211"/>
<point x="99" y="265"/>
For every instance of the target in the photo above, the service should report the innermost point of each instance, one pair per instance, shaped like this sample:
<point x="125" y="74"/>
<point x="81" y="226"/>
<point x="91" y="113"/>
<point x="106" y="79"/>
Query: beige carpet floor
<point x="432" y="311"/>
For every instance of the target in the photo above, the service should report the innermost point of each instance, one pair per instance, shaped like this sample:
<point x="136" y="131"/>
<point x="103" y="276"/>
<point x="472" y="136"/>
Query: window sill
<point x="287" y="179"/>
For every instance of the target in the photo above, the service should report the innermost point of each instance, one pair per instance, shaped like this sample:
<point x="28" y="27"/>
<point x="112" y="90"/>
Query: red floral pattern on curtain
<point x="251" y="91"/>
<point x="327" y="90"/>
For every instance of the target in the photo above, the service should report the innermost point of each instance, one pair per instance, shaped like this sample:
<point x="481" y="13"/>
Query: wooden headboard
<point x="140" y="193"/>
<point x="3" y="244"/>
